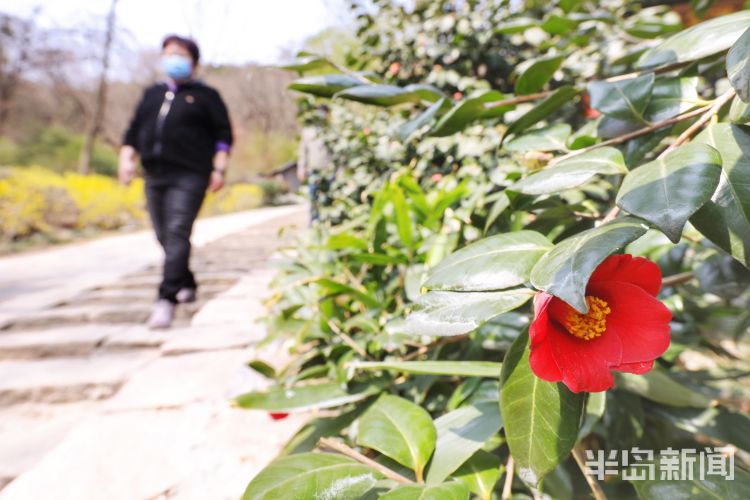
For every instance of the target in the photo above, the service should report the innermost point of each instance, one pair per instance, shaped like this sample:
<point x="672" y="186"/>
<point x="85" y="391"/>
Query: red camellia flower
<point x="626" y="327"/>
<point x="278" y="416"/>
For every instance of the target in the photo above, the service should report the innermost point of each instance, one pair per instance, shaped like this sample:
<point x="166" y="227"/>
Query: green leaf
<point x="324" y="85"/>
<point x="312" y="475"/>
<point x="624" y="100"/>
<point x="717" y="423"/>
<point x="669" y="190"/>
<point x="308" y="63"/>
<point x="468" y="110"/>
<point x="406" y="130"/>
<point x="565" y="270"/>
<point x="558" y="25"/>
<point x="453" y="368"/>
<point x="306" y="439"/>
<point x="691" y="485"/>
<point x="446" y="491"/>
<point x="658" y="386"/>
<point x="390" y="95"/>
<point x="552" y="138"/>
<point x="493" y="263"/>
<point x="739" y="111"/>
<point x="304" y="397"/>
<point x="480" y="474"/>
<point x="460" y="434"/>
<point x="536" y="74"/>
<point x="442" y="313"/>
<point x="725" y="219"/>
<point x="699" y="41"/>
<point x="403" y="220"/>
<point x="738" y="69"/>
<point x="399" y="429"/>
<point x="672" y="96"/>
<point x="340" y="288"/>
<point x="552" y="103"/>
<point x="516" y="26"/>
<point x="573" y="172"/>
<point x="263" y="368"/>
<point x="540" y="418"/>
<point x="596" y="403"/>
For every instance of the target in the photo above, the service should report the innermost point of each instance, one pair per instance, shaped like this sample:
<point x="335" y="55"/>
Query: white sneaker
<point x="161" y="315"/>
<point x="186" y="295"/>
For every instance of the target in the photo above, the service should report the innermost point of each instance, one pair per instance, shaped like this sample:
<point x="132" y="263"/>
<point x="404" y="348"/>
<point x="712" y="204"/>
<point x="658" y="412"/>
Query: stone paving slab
<point x="196" y="452"/>
<point x="180" y="380"/>
<point x="71" y="341"/>
<point x="62" y="380"/>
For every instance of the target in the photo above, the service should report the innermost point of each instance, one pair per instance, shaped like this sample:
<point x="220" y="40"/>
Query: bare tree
<point x="84" y="165"/>
<point x="15" y="59"/>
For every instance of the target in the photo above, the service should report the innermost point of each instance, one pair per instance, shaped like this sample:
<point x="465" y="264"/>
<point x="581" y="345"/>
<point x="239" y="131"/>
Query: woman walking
<point x="181" y="131"/>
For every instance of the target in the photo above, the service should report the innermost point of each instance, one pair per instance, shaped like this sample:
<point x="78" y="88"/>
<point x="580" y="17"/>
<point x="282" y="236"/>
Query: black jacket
<point x="183" y="133"/>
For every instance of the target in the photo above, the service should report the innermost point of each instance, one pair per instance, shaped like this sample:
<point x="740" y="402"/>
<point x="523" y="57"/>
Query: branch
<point x="677" y="279"/>
<point x="657" y="71"/>
<point x="348" y="340"/>
<point x="509" y="473"/>
<point x="695" y="127"/>
<point x="595" y="488"/>
<point x="518" y="99"/>
<point x="327" y="443"/>
<point x="632" y="135"/>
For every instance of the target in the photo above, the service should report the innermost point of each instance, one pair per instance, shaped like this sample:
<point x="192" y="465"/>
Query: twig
<point x="443" y="341"/>
<point x="632" y="135"/>
<point x="348" y="340"/>
<point x="706" y="115"/>
<point x="518" y="99"/>
<point x="677" y="279"/>
<point x="657" y="71"/>
<point x="509" y="473"/>
<point x="595" y="488"/>
<point x="695" y="127"/>
<point x="336" y="446"/>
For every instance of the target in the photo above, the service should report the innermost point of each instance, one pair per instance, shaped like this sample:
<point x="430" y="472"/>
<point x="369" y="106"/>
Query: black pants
<point x="174" y="199"/>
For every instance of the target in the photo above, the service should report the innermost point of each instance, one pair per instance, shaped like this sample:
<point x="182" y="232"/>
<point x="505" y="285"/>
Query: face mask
<point x="177" y="67"/>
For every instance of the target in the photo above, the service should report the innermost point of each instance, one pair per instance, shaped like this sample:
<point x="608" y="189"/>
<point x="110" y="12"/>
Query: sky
<point x="228" y="31"/>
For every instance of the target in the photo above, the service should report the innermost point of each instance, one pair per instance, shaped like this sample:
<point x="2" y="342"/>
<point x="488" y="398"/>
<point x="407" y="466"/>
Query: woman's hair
<point x="186" y="43"/>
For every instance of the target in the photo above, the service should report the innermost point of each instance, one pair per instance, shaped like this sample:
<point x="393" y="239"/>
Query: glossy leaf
<point x="467" y="111"/>
<point x="725" y="218"/>
<point x="312" y="475"/>
<point x="739" y="111"/>
<point x="542" y="110"/>
<point x="305" y="397"/>
<point x="552" y="138"/>
<point x="573" y="172"/>
<point x="480" y="474"/>
<point x="453" y="368"/>
<point x="338" y="288"/>
<point x="687" y="482"/>
<point x="540" y="418"/>
<point x="446" y="491"/>
<point x="460" y="433"/>
<point x="669" y="190"/>
<point x="672" y="96"/>
<point x="390" y="95"/>
<point x="716" y="423"/>
<point x="325" y="85"/>
<point x="565" y="270"/>
<point x="444" y="313"/>
<point x="658" y="386"/>
<point x="407" y="129"/>
<point x="308" y="63"/>
<point x="399" y="429"/>
<point x="699" y="41"/>
<point x="494" y="263"/>
<point x="624" y="100"/>
<point x="536" y="74"/>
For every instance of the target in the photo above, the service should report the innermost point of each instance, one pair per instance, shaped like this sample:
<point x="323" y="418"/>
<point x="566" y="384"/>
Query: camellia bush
<point x="530" y="274"/>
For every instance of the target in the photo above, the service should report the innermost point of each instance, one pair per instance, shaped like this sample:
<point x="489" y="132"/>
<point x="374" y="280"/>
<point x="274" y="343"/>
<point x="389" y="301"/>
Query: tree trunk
<point x="84" y="163"/>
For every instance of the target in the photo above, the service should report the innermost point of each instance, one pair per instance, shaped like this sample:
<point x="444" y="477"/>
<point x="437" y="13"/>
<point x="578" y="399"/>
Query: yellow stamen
<point x="590" y="325"/>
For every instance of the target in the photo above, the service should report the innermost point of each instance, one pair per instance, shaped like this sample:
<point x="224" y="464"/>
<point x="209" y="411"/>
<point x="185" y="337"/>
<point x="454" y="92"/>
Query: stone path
<point x="94" y="406"/>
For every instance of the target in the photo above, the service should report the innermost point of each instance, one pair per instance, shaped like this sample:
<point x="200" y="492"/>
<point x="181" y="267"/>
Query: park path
<point x="94" y="406"/>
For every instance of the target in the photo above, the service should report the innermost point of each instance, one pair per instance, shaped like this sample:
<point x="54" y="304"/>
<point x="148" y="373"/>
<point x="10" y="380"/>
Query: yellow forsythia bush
<point x="37" y="200"/>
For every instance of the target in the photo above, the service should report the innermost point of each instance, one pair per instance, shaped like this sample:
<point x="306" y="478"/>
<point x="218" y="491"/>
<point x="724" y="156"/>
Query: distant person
<point x="182" y="133"/>
<point x="313" y="158"/>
